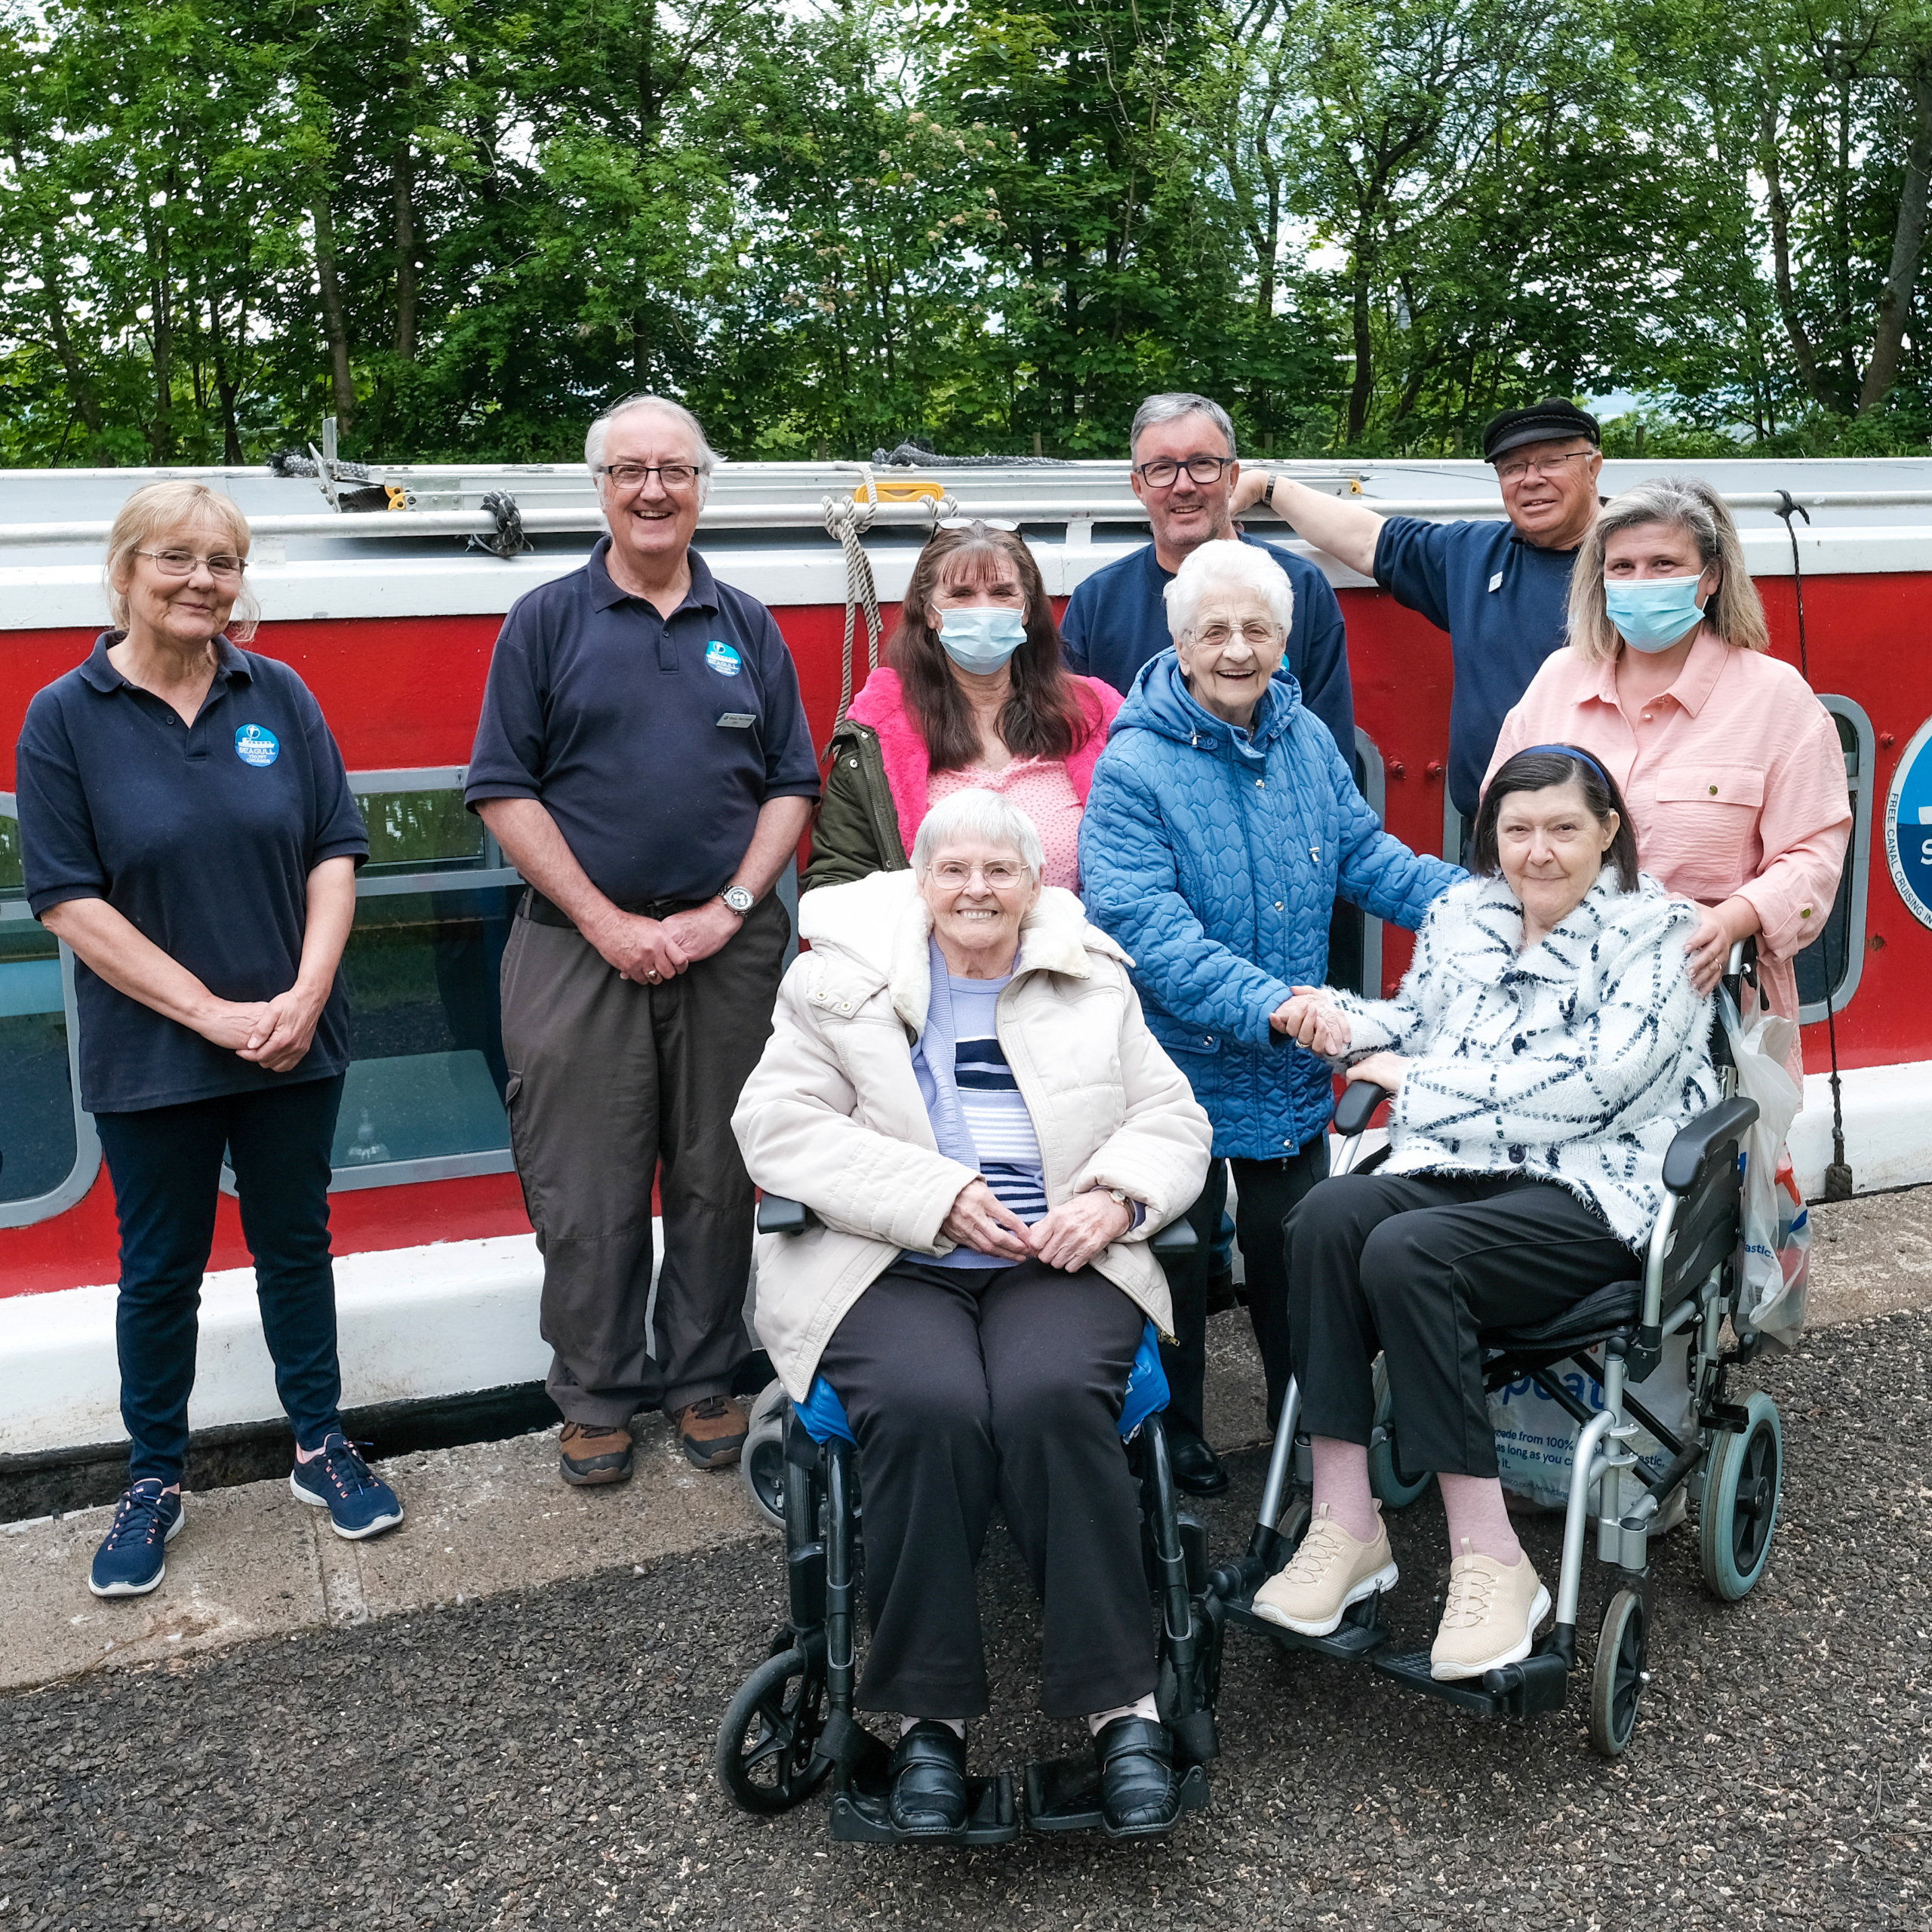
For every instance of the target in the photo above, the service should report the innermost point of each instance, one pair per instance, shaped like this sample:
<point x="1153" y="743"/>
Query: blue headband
<point x="1581" y="756"/>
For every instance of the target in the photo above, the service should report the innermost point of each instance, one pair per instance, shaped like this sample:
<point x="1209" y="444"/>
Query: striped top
<point x="1007" y="1148"/>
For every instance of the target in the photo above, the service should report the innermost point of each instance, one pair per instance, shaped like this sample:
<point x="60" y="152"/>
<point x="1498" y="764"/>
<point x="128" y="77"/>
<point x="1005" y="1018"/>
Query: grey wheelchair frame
<point x="792" y="1725"/>
<point x="1730" y="1462"/>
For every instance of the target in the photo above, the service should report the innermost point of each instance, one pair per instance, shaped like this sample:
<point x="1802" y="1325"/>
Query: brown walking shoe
<point x="594" y="1453"/>
<point x="712" y="1432"/>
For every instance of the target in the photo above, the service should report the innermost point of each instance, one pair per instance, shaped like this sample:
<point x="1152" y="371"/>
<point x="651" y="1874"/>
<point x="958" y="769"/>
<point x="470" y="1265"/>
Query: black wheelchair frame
<point x="792" y="1725"/>
<point x="1731" y="1462"/>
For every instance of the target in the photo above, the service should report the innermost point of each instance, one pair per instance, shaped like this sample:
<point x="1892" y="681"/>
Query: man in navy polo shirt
<point x="1185" y="471"/>
<point x="1501" y="590"/>
<point x="642" y="758"/>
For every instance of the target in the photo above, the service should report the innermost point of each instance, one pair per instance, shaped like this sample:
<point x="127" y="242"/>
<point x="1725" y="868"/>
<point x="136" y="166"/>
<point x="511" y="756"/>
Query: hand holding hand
<point x="644" y="950"/>
<point x="1383" y="1069"/>
<point x="980" y="1220"/>
<point x="1076" y="1230"/>
<point x="703" y="930"/>
<point x="233" y="1023"/>
<point x="284" y="1028"/>
<point x="1312" y="1019"/>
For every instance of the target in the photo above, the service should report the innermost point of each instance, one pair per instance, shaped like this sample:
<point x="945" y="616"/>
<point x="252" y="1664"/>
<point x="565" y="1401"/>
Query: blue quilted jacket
<point x="1215" y="858"/>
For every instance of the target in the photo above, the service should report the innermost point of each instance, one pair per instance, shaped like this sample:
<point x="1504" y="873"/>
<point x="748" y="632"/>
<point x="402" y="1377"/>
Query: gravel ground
<point x="544" y="1760"/>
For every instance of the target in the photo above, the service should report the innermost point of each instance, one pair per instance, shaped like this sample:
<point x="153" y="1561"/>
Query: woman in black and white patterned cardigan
<point x="1545" y="1047"/>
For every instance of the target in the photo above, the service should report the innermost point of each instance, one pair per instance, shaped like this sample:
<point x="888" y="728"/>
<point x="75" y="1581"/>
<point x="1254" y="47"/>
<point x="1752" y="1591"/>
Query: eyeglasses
<point x="999" y="877"/>
<point x="1537" y="466"/>
<point x="976" y="523"/>
<point x="1161" y="473"/>
<point x="223" y="568"/>
<point x="1261" y="636"/>
<point x="674" y="476"/>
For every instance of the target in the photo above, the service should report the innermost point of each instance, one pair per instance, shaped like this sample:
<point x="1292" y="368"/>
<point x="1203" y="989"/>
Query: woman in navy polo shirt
<point x="188" y="830"/>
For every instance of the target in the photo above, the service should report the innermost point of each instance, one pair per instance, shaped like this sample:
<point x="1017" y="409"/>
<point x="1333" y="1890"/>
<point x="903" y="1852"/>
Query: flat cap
<point x="1552" y="421"/>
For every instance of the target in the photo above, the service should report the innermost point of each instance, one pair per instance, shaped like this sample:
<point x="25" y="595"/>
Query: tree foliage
<point x="461" y="225"/>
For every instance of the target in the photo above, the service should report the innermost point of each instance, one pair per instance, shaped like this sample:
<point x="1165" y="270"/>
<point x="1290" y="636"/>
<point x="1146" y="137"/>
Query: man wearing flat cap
<point x="1500" y="590"/>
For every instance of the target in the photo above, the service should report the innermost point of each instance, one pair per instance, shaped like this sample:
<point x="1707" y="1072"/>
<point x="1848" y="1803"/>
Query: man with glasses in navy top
<point x="642" y="758"/>
<point x="1501" y="590"/>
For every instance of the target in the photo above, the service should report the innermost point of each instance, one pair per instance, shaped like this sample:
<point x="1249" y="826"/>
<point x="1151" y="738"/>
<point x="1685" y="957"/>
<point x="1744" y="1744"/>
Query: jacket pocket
<point x="1700" y="837"/>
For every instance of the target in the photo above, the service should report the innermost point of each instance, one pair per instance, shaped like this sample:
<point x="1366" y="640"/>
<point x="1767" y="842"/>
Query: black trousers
<point x="165" y="1163"/>
<point x="1267" y="1192"/>
<point x="1416" y="1265"/>
<point x="965" y="1384"/>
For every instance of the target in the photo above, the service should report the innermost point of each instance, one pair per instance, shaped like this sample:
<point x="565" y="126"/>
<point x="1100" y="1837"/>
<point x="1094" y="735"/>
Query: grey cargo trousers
<point x="609" y="1083"/>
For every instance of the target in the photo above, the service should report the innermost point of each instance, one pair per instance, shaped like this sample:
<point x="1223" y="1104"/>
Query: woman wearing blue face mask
<point x="973" y="692"/>
<point x="1731" y="767"/>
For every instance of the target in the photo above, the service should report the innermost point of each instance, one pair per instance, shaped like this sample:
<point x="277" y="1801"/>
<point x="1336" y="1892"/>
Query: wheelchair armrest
<point x="1176" y="1239"/>
<point x="1357" y="1107"/>
<point x="778" y="1215"/>
<point x="1695" y="1143"/>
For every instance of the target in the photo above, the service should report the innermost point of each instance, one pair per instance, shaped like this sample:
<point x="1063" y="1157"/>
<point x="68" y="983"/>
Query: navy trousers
<point x="165" y="1163"/>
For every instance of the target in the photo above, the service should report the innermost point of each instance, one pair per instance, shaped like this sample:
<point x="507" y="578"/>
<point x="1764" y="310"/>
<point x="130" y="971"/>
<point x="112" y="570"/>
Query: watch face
<point x="738" y="899"/>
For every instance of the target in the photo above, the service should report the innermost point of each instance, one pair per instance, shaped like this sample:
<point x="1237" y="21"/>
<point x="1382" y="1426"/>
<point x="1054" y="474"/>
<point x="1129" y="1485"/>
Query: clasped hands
<point x="1312" y="1019"/>
<point x="1068" y="1237"/>
<point x="652" y="951"/>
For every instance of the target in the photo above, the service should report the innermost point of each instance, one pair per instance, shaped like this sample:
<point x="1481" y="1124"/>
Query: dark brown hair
<point x="1538" y="771"/>
<point x="1044" y="716"/>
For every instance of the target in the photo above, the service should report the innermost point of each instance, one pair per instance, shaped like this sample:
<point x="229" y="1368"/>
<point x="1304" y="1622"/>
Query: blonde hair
<point x="1736" y="612"/>
<point x="153" y="513"/>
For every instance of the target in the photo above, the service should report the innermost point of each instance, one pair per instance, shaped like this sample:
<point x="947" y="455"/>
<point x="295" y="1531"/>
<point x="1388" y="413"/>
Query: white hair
<point x="704" y="456"/>
<point x="978" y="814"/>
<point x="1228" y="565"/>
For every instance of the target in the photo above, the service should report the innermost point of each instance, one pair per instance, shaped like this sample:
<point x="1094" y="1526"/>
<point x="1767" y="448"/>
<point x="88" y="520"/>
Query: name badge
<point x="1495" y="582"/>
<point x="736" y="721"/>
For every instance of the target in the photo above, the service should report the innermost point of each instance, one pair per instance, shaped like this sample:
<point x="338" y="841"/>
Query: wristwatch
<point x="1268" y="491"/>
<point x="739" y="898"/>
<point x="1117" y="1194"/>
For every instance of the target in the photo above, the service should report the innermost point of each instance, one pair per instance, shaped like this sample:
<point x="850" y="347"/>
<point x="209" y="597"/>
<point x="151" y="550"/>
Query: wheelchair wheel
<point x="1618" y="1680"/>
<point x="1396" y="1486"/>
<point x="761" y="1463"/>
<point x="763" y="1757"/>
<point x="1741" y="1489"/>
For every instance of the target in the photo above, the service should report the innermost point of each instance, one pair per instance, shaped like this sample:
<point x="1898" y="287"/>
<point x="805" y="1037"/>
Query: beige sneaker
<point x="1491" y="1616"/>
<point x="1331" y="1570"/>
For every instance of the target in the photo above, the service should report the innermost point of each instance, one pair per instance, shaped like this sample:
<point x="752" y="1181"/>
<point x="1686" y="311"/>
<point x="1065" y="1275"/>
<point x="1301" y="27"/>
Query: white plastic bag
<point x="1758" y="1044"/>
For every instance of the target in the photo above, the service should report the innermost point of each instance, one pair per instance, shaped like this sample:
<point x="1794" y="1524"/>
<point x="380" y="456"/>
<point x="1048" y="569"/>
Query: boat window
<point x="423" y="1099"/>
<point x="48" y="1153"/>
<point x="1830" y="967"/>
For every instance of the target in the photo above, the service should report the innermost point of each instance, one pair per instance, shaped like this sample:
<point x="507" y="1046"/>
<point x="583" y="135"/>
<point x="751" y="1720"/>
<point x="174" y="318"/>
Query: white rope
<point x="848" y="521"/>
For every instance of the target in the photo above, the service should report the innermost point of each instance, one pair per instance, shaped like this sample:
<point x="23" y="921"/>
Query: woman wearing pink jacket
<point x="973" y="695"/>
<point x="1731" y="767"/>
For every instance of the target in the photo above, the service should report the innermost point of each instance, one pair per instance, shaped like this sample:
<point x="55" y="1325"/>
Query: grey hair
<point x="706" y="456"/>
<point x="1175" y="403"/>
<point x="1227" y="564"/>
<point x="982" y="814"/>
<point x="1735" y="613"/>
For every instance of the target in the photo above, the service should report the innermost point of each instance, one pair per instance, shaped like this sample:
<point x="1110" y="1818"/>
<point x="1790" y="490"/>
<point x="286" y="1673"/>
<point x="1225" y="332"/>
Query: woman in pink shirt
<point x="973" y="694"/>
<point x="1731" y="767"/>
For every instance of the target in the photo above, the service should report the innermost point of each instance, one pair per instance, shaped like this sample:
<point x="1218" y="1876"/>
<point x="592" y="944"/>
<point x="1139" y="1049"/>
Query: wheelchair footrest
<point x="1360" y="1632"/>
<point x="1539" y="1682"/>
<point x="859" y="1816"/>
<point x="1063" y="1794"/>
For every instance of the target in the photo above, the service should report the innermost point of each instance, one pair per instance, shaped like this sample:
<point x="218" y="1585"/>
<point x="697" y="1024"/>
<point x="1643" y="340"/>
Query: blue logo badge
<point x="255" y="744"/>
<point x="1909" y="826"/>
<point x="723" y="659"/>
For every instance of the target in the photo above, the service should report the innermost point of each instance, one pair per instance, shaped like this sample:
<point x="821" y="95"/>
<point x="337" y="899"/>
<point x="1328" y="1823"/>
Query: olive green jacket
<point x="857" y="829"/>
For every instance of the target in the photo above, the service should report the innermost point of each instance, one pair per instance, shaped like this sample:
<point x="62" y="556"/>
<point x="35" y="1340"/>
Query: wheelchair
<point x="1730" y="1462"/>
<point x="791" y="1727"/>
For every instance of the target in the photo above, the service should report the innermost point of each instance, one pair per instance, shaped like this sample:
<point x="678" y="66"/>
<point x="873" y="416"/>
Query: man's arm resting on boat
<point x="1347" y="531"/>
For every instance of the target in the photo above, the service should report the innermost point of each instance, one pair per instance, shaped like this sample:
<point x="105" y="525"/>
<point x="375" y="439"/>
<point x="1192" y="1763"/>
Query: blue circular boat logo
<point x="1909" y="826"/>
<point x="722" y="658"/>
<point x="255" y="744"/>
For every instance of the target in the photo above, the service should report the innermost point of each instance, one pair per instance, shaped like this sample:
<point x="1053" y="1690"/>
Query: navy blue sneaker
<point x="133" y="1556"/>
<point x="359" y="1503"/>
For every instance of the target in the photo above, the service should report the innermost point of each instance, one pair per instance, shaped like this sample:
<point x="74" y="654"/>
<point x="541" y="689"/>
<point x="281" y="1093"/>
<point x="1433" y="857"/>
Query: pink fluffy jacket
<point x="908" y="767"/>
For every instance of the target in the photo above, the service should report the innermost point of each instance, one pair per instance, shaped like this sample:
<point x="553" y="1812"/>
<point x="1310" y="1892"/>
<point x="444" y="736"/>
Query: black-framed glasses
<point x="223" y="567"/>
<point x="1161" y="473"/>
<point x="674" y="476"/>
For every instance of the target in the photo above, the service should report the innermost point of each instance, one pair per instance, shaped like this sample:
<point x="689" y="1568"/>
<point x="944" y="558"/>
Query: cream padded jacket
<point x="832" y="1114"/>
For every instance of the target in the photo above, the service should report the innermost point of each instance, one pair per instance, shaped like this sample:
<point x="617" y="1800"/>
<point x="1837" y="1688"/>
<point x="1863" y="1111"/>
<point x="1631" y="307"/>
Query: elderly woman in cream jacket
<point x="962" y="1086"/>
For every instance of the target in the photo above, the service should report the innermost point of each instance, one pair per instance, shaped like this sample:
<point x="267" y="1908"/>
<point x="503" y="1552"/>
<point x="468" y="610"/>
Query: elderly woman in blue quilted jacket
<point x="1221" y="828"/>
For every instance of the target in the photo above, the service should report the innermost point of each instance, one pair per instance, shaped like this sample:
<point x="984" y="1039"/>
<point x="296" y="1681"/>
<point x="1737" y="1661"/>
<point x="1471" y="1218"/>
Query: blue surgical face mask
<point x="981" y="638"/>
<point x="1653" y="613"/>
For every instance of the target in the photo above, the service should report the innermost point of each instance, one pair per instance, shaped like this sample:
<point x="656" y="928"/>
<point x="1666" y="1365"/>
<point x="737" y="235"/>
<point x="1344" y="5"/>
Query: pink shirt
<point x="1735" y="779"/>
<point x="1039" y="787"/>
